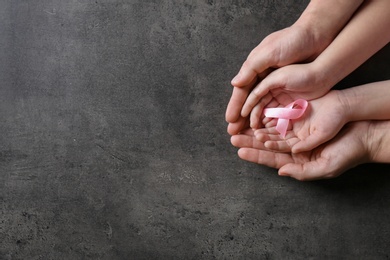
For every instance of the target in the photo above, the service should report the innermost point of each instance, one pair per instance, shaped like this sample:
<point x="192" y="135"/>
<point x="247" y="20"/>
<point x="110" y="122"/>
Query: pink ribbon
<point x="284" y="114"/>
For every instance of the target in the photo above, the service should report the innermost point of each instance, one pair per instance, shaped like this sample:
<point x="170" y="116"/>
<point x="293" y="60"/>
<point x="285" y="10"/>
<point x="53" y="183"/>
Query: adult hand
<point x="348" y="149"/>
<point x="291" y="45"/>
<point x="244" y="122"/>
<point x="283" y="85"/>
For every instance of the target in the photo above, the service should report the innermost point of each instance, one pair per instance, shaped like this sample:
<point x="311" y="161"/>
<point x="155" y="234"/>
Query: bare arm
<point x="319" y="23"/>
<point x="367" y="102"/>
<point x="366" y="33"/>
<point x="303" y="41"/>
<point x="325" y="19"/>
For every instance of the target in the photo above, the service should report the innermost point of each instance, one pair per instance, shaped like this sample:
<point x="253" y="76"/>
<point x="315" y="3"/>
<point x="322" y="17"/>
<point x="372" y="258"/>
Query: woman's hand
<point x="352" y="146"/>
<point x="291" y="45"/>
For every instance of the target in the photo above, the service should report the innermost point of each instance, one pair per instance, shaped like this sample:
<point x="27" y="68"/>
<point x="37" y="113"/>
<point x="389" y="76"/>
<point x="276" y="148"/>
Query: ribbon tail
<point x="285" y="114"/>
<point x="282" y="126"/>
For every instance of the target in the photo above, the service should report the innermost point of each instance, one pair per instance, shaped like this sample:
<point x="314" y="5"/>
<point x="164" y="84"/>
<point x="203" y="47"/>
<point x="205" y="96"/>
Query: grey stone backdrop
<point x="113" y="143"/>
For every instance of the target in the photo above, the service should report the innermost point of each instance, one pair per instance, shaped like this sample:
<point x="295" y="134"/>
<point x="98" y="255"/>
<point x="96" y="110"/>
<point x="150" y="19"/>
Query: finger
<point x="282" y="145"/>
<point x="256" y="114"/>
<point x="272" y="122"/>
<point x="282" y="98"/>
<point x="262" y="89"/>
<point x="267" y="131"/>
<point x="268" y="158"/>
<point x="236" y="127"/>
<point x="256" y="63"/>
<point x="308" y="171"/>
<point x="262" y="137"/>
<point x="236" y="102"/>
<point x="312" y="141"/>
<point x="266" y="134"/>
<point x="268" y="121"/>
<point x="248" y="131"/>
<point x="253" y="98"/>
<point x="255" y="117"/>
<point x="273" y="141"/>
<point x="278" y="146"/>
<point x="246" y="141"/>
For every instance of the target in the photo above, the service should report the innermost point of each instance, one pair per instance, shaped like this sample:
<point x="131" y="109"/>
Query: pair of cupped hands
<point x="321" y="143"/>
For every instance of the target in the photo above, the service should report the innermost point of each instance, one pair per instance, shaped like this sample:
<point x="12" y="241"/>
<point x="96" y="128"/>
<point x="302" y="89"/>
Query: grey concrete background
<point x="113" y="142"/>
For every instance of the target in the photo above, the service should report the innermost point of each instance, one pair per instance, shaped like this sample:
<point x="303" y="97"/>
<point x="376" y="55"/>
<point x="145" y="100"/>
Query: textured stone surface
<point x="113" y="143"/>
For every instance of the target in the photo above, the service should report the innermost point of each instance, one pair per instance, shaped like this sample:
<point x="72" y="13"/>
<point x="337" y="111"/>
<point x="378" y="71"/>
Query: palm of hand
<point x="329" y="160"/>
<point x="321" y="122"/>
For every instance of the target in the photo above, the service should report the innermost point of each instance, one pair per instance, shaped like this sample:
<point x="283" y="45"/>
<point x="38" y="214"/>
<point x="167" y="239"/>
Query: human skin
<point x="365" y="34"/>
<point x="303" y="41"/>
<point x="357" y="143"/>
<point x="327" y="115"/>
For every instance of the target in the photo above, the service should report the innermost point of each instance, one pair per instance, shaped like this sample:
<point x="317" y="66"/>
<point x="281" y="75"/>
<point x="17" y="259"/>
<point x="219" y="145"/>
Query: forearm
<point x="325" y="19"/>
<point x="365" y="34"/>
<point x="367" y="102"/>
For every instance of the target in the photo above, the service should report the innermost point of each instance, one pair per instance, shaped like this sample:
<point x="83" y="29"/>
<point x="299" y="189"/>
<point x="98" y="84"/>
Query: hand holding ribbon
<point x="293" y="110"/>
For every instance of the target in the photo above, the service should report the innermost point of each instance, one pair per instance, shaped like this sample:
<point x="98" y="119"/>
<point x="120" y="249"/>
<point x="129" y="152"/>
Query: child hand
<point x="322" y="120"/>
<point x="296" y="81"/>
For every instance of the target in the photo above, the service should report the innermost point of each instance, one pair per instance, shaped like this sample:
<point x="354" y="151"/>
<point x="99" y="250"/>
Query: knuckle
<point x="255" y="94"/>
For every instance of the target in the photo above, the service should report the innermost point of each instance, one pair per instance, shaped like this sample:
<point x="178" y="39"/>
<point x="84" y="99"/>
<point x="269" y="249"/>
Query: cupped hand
<point x="296" y="81"/>
<point x="294" y="44"/>
<point x="348" y="149"/>
<point x="322" y="120"/>
<point x="243" y="123"/>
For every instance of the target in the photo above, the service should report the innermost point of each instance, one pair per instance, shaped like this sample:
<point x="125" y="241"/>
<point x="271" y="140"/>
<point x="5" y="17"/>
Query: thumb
<point x="301" y="172"/>
<point x="308" y="171"/>
<point x="291" y="170"/>
<point x="255" y="65"/>
<point x="312" y="141"/>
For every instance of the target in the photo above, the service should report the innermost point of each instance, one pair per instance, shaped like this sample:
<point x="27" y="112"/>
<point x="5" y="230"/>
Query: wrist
<point x="347" y="101"/>
<point x="339" y="105"/>
<point x="366" y="102"/>
<point x="324" y="21"/>
<point x="321" y="76"/>
<point x="319" y="39"/>
<point x="374" y="140"/>
<point x="315" y="24"/>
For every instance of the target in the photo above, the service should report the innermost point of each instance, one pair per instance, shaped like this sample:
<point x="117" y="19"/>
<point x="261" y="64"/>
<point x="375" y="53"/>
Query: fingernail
<point x="236" y="79"/>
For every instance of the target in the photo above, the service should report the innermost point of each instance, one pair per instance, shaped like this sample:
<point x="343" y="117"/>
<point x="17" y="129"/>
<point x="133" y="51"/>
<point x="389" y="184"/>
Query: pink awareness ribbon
<point x="293" y="110"/>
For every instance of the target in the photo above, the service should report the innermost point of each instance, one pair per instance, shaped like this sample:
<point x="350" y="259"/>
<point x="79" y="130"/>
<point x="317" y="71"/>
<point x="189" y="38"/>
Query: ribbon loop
<point x="293" y="110"/>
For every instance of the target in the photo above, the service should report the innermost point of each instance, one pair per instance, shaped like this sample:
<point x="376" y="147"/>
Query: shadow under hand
<point x="365" y="183"/>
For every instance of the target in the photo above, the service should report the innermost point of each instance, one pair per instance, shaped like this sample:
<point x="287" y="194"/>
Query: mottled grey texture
<point x="113" y="142"/>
